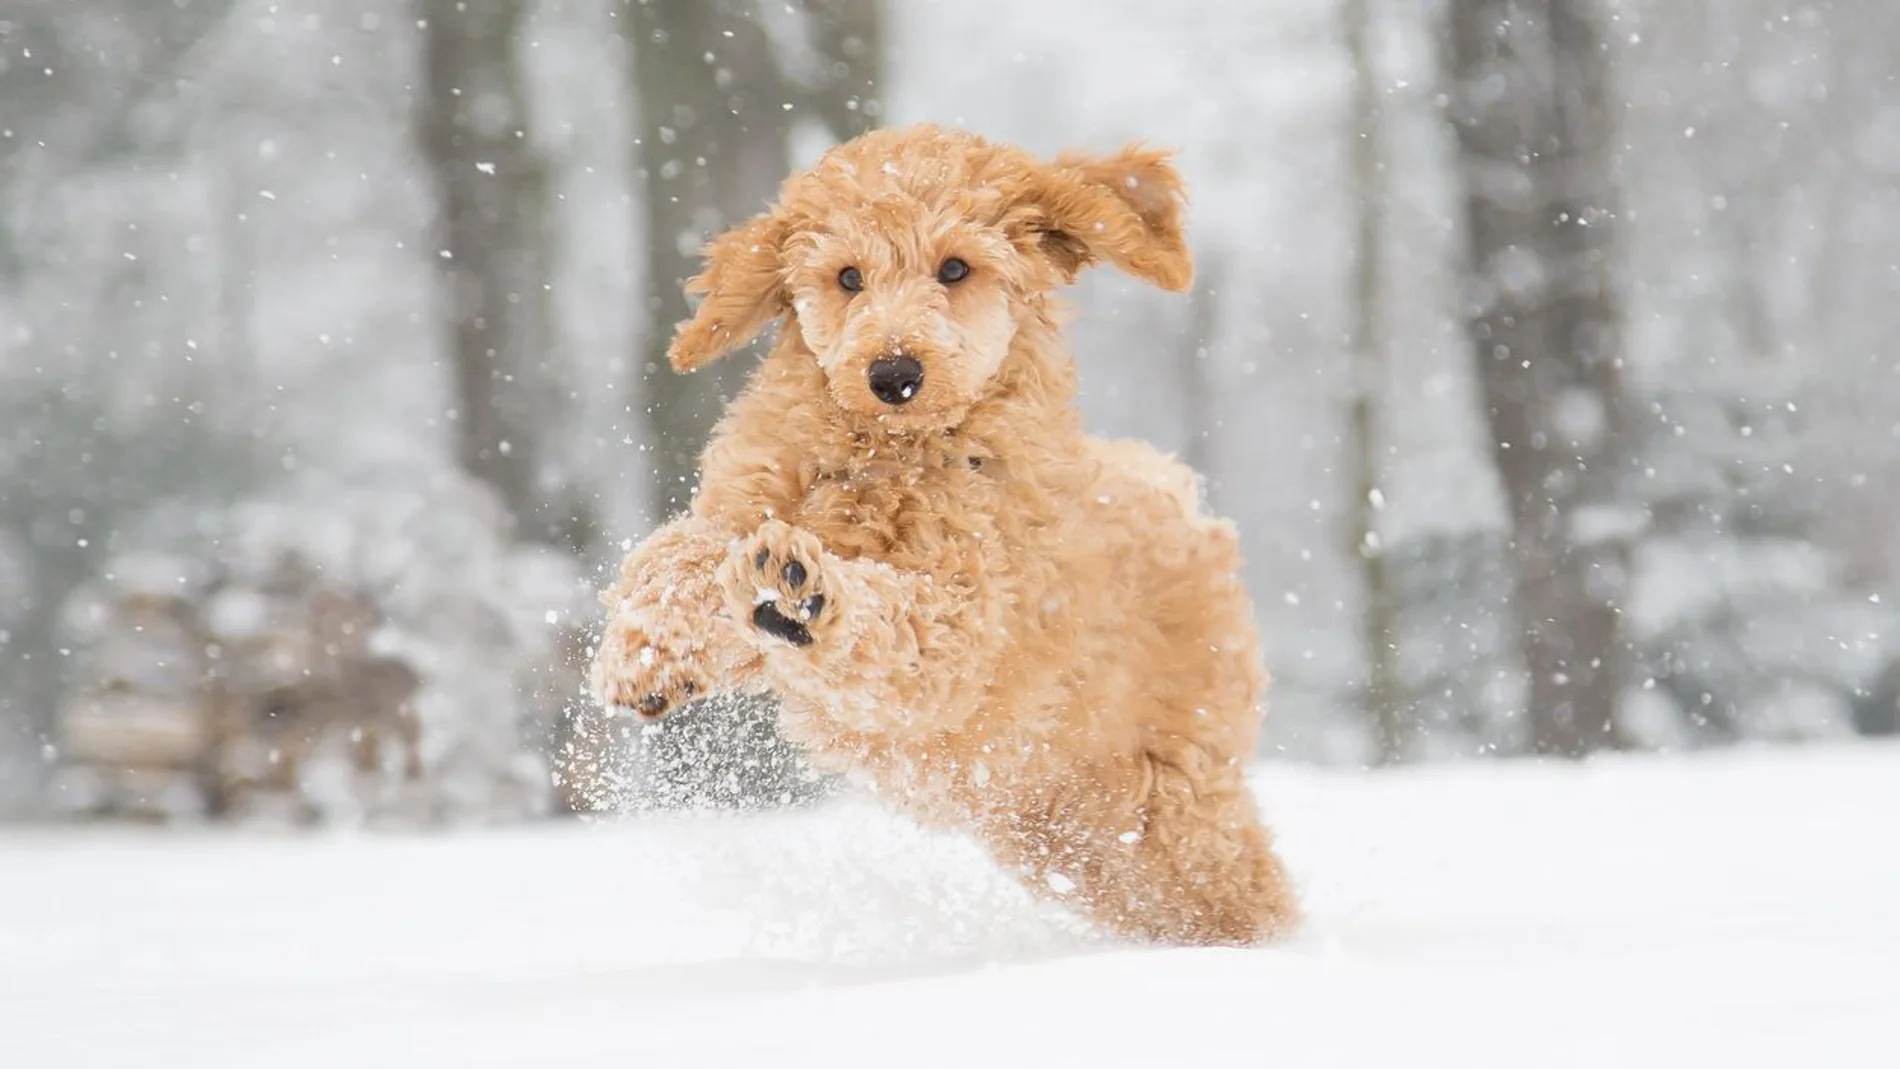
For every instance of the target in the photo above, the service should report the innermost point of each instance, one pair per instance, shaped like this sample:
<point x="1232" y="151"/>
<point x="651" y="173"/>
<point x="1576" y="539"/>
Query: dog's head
<point x="907" y="261"/>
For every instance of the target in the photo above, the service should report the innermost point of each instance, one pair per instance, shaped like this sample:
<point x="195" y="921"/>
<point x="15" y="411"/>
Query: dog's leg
<point x="880" y="651"/>
<point x="1157" y="846"/>
<point x="668" y="638"/>
<point x="1200" y="870"/>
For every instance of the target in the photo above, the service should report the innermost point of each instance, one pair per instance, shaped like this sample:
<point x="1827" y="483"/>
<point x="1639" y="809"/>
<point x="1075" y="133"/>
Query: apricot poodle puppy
<point x="987" y="617"/>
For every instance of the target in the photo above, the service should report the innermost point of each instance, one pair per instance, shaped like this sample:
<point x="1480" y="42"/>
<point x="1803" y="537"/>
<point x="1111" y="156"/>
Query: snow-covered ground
<point x="1732" y="910"/>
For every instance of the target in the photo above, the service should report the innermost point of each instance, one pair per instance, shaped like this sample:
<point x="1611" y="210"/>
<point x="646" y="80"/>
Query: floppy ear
<point x="743" y="290"/>
<point x="1124" y="208"/>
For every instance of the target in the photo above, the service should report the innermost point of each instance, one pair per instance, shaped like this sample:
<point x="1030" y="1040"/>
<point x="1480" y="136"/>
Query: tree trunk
<point x="492" y="189"/>
<point x="714" y="144"/>
<point x="713" y="147"/>
<point x="1531" y="118"/>
<point x="1384" y="704"/>
<point x="849" y="38"/>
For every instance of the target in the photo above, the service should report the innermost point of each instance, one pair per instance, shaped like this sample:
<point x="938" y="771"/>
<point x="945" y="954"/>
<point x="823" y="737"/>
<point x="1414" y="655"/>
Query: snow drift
<point x="1735" y="910"/>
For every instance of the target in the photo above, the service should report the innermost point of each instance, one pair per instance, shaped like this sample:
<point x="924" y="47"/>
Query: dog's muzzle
<point x="895" y="380"/>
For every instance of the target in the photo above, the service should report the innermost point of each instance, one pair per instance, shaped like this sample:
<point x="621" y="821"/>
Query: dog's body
<point x="996" y="621"/>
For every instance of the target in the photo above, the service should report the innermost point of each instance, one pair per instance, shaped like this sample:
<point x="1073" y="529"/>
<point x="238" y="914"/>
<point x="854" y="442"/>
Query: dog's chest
<point x="903" y="505"/>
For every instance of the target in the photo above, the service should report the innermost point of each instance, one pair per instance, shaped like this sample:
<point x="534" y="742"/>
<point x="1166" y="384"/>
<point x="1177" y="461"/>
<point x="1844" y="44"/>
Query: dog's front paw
<point x="638" y="672"/>
<point x="775" y="581"/>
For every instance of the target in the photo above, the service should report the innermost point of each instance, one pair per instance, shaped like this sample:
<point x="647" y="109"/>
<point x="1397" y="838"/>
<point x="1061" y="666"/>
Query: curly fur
<point x="992" y="619"/>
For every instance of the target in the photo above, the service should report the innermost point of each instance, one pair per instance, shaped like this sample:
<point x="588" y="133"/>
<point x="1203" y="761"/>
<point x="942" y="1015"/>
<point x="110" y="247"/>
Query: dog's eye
<point x="851" y="278"/>
<point x="953" y="271"/>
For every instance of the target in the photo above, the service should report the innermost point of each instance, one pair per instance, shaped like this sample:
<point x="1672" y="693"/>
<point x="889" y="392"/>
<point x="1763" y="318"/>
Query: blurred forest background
<point x="1544" y="351"/>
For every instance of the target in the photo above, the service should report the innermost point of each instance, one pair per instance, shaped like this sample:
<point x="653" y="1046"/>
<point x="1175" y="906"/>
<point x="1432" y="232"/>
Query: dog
<point x="984" y="615"/>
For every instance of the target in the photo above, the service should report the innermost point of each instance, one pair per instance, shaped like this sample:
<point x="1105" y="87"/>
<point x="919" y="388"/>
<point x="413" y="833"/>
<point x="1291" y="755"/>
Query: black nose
<point x="895" y="379"/>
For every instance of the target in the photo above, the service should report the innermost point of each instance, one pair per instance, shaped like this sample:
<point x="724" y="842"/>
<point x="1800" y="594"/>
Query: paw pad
<point x="638" y="678"/>
<point x="785" y="607"/>
<point x="659" y="703"/>
<point x="770" y="620"/>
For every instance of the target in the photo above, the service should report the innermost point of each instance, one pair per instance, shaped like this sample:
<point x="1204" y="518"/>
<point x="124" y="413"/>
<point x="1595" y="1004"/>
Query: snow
<point x="1728" y="910"/>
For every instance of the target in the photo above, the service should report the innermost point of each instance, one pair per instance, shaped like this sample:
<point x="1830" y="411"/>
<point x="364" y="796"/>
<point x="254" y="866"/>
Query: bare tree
<point x="492" y="189"/>
<point x="1531" y="113"/>
<point x="716" y="112"/>
<point x="712" y="148"/>
<point x="1366" y="344"/>
<point x="848" y="37"/>
<point x="72" y="78"/>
